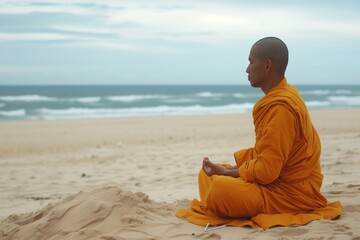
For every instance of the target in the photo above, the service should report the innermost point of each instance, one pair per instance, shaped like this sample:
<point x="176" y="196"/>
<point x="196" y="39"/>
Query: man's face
<point x="256" y="69"/>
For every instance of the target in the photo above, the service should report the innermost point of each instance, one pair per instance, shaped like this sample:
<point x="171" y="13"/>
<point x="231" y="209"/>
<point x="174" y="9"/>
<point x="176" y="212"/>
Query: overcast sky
<point x="173" y="42"/>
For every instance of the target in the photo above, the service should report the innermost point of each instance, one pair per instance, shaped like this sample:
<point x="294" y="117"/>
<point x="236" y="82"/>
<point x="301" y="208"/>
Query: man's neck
<point x="272" y="83"/>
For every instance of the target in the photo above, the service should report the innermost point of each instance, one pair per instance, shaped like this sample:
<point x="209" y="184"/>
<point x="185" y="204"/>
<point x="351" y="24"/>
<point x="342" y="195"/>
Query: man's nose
<point x="247" y="69"/>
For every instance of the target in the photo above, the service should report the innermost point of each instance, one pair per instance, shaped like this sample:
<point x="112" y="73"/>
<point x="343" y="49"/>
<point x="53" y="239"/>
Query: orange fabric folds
<point x="280" y="177"/>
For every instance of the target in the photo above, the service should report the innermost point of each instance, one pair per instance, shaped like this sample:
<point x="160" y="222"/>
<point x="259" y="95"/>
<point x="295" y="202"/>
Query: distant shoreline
<point x="84" y="102"/>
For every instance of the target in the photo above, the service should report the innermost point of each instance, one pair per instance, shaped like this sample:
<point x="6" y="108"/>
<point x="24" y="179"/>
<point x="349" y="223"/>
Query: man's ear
<point x="268" y="64"/>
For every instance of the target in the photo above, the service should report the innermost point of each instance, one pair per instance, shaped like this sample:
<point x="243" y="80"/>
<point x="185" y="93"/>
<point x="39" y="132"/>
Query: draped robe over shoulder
<point x="280" y="177"/>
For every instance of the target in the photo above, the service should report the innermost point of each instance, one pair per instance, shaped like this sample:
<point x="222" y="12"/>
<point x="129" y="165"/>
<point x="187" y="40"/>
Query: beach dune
<point x="125" y="178"/>
<point x="104" y="213"/>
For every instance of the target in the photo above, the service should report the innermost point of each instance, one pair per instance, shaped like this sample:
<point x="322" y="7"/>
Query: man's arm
<point x="244" y="155"/>
<point x="273" y="147"/>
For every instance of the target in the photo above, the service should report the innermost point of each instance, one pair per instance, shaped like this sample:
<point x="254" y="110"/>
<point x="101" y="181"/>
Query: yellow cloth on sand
<point x="280" y="177"/>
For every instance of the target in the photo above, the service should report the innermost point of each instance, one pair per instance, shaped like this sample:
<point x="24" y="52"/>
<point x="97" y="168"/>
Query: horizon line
<point x="176" y="84"/>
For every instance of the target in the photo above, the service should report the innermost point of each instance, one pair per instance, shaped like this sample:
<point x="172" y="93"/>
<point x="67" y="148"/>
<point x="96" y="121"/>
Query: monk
<point x="278" y="181"/>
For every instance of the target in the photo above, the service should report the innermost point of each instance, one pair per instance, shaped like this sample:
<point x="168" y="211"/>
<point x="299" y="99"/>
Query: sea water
<point x="74" y="102"/>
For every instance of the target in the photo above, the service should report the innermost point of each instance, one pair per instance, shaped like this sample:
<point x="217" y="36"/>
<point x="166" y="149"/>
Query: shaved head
<point x="274" y="49"/>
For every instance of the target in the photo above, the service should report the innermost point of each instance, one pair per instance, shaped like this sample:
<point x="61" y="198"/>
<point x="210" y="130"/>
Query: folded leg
<point x="228" y="196"/>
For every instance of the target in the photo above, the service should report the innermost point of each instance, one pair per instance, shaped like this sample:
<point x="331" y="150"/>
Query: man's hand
<point x="211" y="168"/>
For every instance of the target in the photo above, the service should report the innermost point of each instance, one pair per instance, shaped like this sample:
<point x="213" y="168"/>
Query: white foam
<point x="348" y="100"/>
<point x="27" y="98"/>
<point x="13" y="113"/>
<point x="326" y="92"/>
<point x="86" y="99"/>
<point x="343" y="91"/>
<point x="208" y="94"/>
<point x="134" y="98"/>
<point x="315" y="92"/>
<point x="145" y="111"/>
<point x="239" y="95"/>
<point x="180" y="100"/>
<point x="317" y="103"/>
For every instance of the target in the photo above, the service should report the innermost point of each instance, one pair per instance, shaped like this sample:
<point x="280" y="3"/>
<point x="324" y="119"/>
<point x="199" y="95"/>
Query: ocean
<point x="76" y="102"/>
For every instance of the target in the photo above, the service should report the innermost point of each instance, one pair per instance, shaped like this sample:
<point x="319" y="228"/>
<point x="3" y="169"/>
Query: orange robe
<point x="280" y="177"/>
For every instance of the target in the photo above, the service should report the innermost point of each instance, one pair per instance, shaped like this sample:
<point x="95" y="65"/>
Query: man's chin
<point x="253" y="84"/>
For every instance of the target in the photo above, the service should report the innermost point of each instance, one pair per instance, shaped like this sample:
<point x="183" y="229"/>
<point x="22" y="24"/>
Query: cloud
<point x="26" y="8"/>
<point x="122" y="25"/>
<point x="12" y="69"/>
<point x="126" y="46"/>
<point x="81" y="29"/>
<point x="231" y="22"/>
<point x="11" y="37"/>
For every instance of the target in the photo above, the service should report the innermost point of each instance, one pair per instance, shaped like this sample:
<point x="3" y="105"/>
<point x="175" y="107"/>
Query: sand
<point x="124" y="178"/>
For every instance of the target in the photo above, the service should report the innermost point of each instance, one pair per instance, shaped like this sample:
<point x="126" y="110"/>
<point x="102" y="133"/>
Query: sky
<point x="173" y="42"/>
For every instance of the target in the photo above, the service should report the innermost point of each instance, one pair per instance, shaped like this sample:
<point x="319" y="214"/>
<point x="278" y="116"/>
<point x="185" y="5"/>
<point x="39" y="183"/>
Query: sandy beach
<point x="125" y="178"/>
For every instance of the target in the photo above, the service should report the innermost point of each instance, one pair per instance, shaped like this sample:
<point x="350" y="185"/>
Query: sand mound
<point x="105" y="213"/>
<point x="110" y="213"/>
